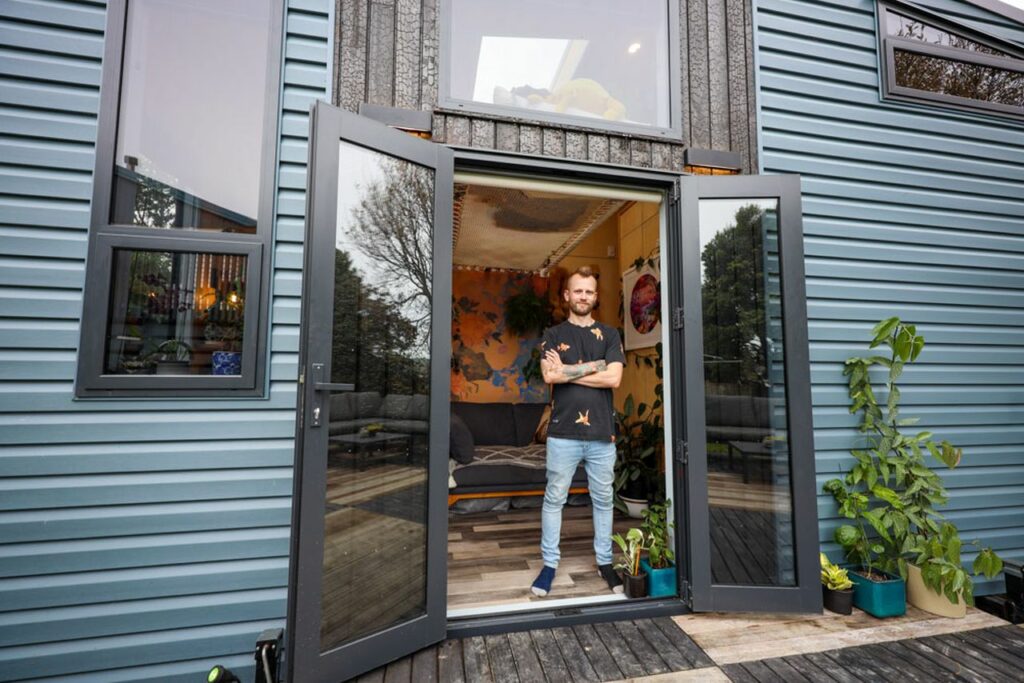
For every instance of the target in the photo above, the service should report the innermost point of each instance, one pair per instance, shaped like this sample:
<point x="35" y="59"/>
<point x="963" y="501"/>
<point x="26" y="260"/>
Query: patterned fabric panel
<point x="533" y="456"/>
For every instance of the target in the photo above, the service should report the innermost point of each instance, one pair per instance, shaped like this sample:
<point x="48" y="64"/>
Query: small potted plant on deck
<point x="836" y="587"/>
<point x="659" y="565"/>
<point x="631" y="546"/>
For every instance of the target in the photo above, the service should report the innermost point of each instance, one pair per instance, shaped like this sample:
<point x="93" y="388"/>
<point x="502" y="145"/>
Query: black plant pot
<point x="840" y="602"/>
<point x="636" y="586"/>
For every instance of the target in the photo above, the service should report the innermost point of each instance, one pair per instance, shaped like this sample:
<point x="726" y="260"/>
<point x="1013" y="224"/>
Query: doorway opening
<point x="515" y="242"/>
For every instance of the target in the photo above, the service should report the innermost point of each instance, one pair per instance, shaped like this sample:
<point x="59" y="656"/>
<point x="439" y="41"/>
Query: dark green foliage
<point x="656" y="527"/>
<point x="639" y="442"/>
<point x="890" y="492"/>
<point x="527" y="313"/>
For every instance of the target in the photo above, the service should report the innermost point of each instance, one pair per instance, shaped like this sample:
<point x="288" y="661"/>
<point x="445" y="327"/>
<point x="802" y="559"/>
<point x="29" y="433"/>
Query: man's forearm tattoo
<point x="571" y="372"/>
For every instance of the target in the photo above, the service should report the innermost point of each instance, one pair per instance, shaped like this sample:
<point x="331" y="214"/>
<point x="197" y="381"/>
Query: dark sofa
<point x="737" y="418"/>
<point x="505" y="457"/>
<point x="399" y="413"/>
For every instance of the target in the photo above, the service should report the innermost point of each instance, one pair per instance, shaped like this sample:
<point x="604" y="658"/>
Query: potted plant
<point x="170" y="357"/>
<point x="527" y="312"/>
<point x="836" y="587"/>
<point x="659" y="563"/>
<point x="638" y="442"/>
<point x="631" y="546"/>
<point x="226" y="332"/>
<point x="891" y="486"/>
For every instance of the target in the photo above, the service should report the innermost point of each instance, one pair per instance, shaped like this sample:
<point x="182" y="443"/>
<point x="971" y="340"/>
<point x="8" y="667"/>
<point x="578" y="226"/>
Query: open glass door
<point x="367" y="577"/>
<point x="752" y="523"/>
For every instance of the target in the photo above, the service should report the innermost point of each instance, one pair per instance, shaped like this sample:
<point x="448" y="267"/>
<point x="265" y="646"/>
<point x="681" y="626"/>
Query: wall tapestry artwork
<point x="641" y="291"/>
<point x="487" y="358"/>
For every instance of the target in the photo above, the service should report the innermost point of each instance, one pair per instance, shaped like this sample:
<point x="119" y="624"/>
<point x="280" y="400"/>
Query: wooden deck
<point x="780" y="648"/>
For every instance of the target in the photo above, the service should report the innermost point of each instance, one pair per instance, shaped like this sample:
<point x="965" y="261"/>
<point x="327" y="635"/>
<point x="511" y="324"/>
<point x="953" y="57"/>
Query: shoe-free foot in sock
<point x="542" y="584"/>
<point x="610" y="577"/>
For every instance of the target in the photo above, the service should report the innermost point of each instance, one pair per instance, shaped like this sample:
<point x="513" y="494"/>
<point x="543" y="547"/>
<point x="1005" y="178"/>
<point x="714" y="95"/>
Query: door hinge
<point x="682" y="452"/>
<point x="675" y="193"/>
<point x="677" y="318"/>
<point x="687" y="595"/>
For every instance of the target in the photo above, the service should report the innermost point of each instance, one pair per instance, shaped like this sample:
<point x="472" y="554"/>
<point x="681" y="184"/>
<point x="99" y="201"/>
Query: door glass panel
<point x="375" y="535"/>
<point x="745" y="394"/>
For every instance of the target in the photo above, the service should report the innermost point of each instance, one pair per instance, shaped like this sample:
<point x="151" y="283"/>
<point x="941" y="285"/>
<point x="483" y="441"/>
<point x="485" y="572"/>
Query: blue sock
<point x="542" y="584"/>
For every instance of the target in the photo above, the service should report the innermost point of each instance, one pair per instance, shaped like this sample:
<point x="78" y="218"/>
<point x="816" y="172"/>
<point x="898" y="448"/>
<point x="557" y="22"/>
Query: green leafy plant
<point x="656" y="529"/>
<point x="526" y="313"/>
<point x="170" y="350"/>
<point x="834" y="577"/>
<point x="890" y="490"/>
<point x="640" y="440"/>
<point x="631" y="546"/>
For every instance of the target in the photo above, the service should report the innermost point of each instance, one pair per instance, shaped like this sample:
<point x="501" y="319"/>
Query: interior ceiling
<point x="522" y="229"/>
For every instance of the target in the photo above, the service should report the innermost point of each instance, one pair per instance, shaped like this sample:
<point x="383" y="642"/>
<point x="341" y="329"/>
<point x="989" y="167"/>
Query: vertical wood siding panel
<point x="380" y="60"/>
<point x="700" y="95"/>
<point x="684" y="72"/>
<point x="552" y="142"/>
<point x="408" y="50"/>
<point x="439" y="128"/>
<point x="429" y="64"/>
<point x="753" y="131"/>
<point x="597" y="148"/>
<point x="661" y="156"/>
<point x="575" y="145"/>
<point x="483" y="134"/>
<point x="618" y="150"/>
<point x="529" y="140"/>
<point x="738" y="84"/>
<point x="352" y="54"/>
<point x="640" y="153"/>
<point x="457" y="131"/>
<point x="718" y="74"/>
<point x="506" y="137"/>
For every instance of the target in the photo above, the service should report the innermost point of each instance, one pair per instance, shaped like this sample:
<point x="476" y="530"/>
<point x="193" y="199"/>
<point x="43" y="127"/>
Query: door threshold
<point x="530" y="606"/>
<point x="550" y="615"/>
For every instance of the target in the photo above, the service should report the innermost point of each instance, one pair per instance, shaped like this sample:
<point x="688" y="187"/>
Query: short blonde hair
<point x="582" y="271"/>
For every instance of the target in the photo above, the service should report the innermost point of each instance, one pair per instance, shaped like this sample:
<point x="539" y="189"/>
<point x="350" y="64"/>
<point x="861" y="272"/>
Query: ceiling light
<point x="633" y="48"/>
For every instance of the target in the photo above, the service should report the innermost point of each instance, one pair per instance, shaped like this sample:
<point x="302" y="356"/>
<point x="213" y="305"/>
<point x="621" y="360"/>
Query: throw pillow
<point x="541" y="435"/>
<point x="460" y="446"/>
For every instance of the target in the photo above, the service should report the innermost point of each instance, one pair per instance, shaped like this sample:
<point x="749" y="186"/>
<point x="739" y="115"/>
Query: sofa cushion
<point x="527" y="418"/>
<point x="394" y="406"/>
<point x="460" y="443"/>
<point x="341" y="407"/>
<point x="367" y="403"/>
<point x="491" y="424"/>
<point x="418" y="408"/>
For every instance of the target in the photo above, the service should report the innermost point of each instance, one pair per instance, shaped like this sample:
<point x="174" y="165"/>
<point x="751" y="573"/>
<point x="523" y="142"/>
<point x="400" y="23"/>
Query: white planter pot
<point x="923" y="597"/>
<point x="635" y="506"/>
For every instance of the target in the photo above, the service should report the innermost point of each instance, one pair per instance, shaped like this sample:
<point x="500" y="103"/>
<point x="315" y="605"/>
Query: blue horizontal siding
<point x="908" y="210"/>
<point x="140" y="540"/>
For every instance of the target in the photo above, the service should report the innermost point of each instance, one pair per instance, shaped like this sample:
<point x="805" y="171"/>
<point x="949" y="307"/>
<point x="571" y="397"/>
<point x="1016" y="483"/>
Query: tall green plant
<point x="890" y="490"/>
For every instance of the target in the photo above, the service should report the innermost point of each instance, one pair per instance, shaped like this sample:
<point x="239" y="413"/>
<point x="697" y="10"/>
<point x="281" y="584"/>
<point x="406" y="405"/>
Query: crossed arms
<point x="598" y="374"/>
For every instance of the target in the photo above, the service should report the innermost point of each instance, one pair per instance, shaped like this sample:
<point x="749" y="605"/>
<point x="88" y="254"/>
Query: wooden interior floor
<point x="493" y="557"/>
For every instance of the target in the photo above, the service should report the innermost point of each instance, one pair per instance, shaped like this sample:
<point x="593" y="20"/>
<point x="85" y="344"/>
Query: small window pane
<point x="190" y="124"/>
<point x="176" y="313"/>
<point x="960" y="79"/>
<point x="600" y="60"/>
<point x="915" y="29"/>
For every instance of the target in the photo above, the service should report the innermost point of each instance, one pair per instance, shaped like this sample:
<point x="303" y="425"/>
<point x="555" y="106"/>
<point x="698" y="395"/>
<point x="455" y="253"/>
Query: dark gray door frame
<point x="805" y="596"/>
<point x="329" y="126"/>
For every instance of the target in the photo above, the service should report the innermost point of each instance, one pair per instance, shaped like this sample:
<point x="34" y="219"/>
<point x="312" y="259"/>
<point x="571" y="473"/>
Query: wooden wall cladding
<point x="387" y="53"/>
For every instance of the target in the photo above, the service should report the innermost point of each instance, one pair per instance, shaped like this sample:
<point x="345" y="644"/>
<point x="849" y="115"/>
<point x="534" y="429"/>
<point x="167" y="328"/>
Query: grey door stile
<point x="750" y="485"/>
<point x="367" y="578"/>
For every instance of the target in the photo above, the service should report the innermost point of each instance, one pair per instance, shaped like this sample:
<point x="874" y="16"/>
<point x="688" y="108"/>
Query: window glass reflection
<point x="915" y="29"/>
<point x="960" y="79"/>
<point x="176" y="313"/>
<point x="374" y="563"/>
<point x="745" y="393"/>
<point x="190" y="122"/>
<point x="599" y="60"/>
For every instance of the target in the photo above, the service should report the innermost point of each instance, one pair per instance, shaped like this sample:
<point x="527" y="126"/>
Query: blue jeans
<point x="563" y="456"/>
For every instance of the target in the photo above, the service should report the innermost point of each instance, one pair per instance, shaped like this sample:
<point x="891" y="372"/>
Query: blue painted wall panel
<point x="914" y="211"/>
<point x="139" y="540"/>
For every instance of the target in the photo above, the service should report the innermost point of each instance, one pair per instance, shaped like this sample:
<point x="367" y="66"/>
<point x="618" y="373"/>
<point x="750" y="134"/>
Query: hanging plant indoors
<point x="527" y="313"/>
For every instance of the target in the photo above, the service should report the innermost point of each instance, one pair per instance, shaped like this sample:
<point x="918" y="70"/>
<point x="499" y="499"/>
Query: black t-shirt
<point x="580" y="412"/>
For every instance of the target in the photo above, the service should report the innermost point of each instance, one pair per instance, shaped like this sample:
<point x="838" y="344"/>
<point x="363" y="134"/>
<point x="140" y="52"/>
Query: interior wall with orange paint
<point x="639" y="233"/>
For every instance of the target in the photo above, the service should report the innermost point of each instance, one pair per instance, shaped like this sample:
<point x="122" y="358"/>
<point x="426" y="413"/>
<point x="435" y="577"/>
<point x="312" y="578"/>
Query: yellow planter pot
<point x="922" y="597"/>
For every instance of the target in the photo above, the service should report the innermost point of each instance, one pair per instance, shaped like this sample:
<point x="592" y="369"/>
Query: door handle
<point x="319" y="386"/>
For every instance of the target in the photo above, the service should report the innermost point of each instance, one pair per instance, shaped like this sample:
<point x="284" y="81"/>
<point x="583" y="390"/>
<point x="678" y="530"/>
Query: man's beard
<point x="580" y="308"/>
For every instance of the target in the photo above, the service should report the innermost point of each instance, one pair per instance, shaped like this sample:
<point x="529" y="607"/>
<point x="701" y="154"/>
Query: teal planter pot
<point x="879" y="598"/>
<point x="661" y="583"/>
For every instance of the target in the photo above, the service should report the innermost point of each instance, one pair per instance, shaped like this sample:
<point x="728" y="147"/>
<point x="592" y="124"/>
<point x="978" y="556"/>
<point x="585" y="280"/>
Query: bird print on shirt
<point x="597" y="333"/>
<point x="584" y="418"/>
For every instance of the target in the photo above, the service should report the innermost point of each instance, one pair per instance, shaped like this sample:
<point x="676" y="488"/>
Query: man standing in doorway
<point x="583" y="361"/>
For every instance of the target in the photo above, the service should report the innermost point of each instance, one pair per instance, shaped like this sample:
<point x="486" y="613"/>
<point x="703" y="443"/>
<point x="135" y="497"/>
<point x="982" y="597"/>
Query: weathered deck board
<point x="659" y="651"/>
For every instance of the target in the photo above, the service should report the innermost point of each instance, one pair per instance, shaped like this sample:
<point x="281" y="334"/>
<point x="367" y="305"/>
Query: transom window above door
<point x="598" y="63"/>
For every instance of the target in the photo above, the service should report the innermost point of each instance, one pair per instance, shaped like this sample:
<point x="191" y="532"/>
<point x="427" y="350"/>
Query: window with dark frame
<point x="926" y="59"/>
<point x="181" y="212"/>
<point x="604" y="64"/>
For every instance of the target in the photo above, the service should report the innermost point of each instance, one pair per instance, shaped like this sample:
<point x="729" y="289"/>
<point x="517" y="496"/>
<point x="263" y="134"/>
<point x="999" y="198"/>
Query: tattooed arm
<point x="556" y="372"/>
<point x="608" y="378"/>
